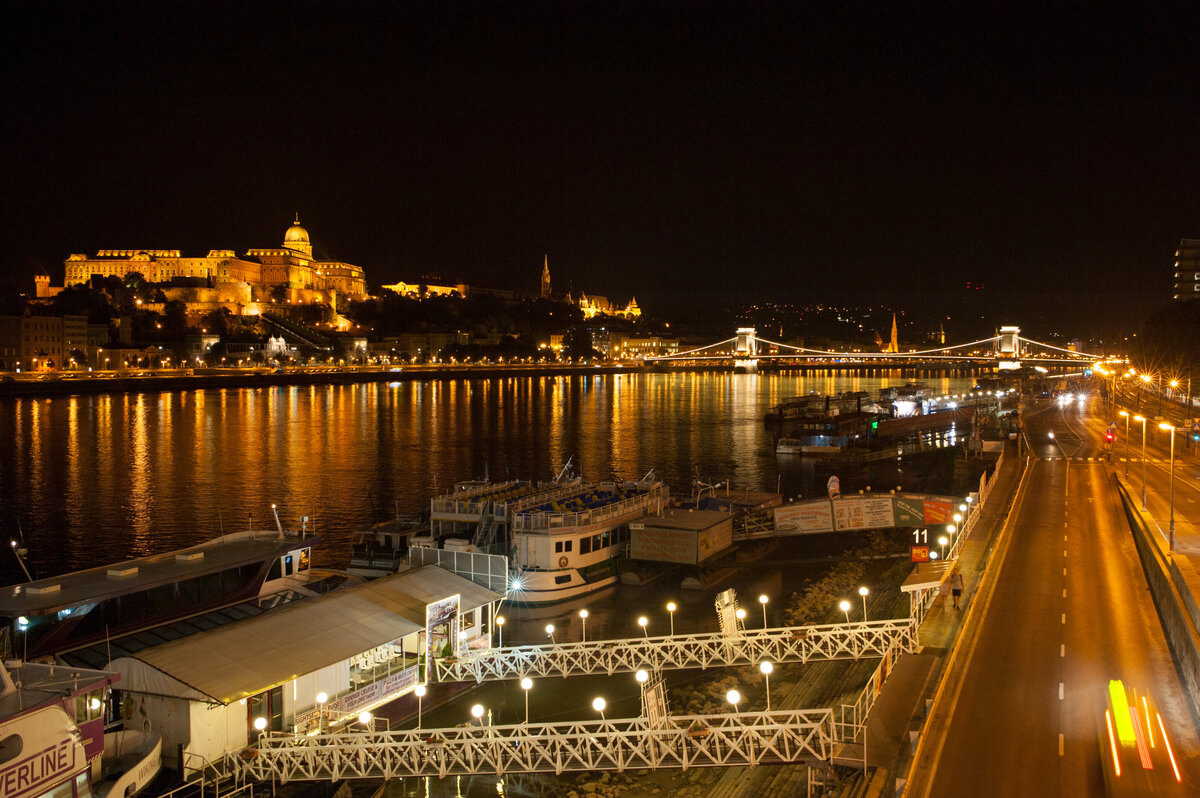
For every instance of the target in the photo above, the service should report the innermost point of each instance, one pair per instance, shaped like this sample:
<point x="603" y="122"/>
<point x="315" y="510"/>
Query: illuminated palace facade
<point x="291" y="267"/>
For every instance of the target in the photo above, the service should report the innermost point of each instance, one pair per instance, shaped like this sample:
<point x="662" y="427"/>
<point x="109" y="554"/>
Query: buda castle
<point x="289" y="273"/>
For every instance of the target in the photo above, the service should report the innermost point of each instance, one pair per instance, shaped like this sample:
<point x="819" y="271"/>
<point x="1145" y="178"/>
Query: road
<point x="1071" y="609"/>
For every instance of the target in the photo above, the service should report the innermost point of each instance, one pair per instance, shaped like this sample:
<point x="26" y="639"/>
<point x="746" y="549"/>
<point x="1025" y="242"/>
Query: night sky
<point x="821" y="151"/>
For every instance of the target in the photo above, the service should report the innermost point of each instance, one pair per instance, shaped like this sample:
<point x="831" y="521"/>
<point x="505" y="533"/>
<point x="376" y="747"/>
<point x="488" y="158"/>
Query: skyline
<point x="664" y="151"/>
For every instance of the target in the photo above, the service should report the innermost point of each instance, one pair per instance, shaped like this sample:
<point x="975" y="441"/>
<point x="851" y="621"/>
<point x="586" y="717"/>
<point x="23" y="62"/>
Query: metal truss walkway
<point x="684" y="741"/>
<point x="839" y="641"/>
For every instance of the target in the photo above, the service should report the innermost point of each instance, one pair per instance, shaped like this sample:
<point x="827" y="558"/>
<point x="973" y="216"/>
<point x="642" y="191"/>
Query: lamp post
<point x="671" y="609"/>
<point x="733" y="697"/>
<point x="500" y="628"/>
<point x="1126" y="414"/>
<point x="599" y="704"/>
<point x="526" y="684"/>
<point x="642" y="622"/>
<point x="550" y="632"/>
<point x="477" y="713"/>
<point x="844" y="606"/>
<point x="322" y="697"/>
<point x="420" y="691"/>
<point x="583" y="615"/>
<point x="1143" y="420"/>
<point x="766" y="668"/>
<point x="762" y="599"/>
<point x="942" y="541"/>
<point x="741" y="620"/>
<point x="862" y="591"/>
<point x="1171" y="526"/>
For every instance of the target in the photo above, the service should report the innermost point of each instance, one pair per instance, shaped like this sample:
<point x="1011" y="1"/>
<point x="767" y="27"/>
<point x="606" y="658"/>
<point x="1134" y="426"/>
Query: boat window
<point x="64" y="790"/>
<point x="276" y="569"/>
<point x="567" y="545"/>
<point x="558" y="547"/>
<point x="585" y="545"/>
<point x="562" y="580"/>
<point x="10" y="747"/>
<point x="83" y="787"/>
<point x="305" y="559"/>
<point x="287" y="566"/>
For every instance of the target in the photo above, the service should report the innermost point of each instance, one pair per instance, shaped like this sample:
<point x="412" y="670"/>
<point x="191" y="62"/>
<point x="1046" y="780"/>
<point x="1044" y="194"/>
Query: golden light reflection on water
<point x="105" y="477"/>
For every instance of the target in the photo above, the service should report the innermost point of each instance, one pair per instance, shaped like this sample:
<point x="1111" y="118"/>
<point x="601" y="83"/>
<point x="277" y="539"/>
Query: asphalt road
<point x="1070" y="610"/>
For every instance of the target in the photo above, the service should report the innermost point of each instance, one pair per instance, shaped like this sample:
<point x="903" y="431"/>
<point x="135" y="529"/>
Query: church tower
<point x="894" y="345"/>
<point x="546" y="278"/>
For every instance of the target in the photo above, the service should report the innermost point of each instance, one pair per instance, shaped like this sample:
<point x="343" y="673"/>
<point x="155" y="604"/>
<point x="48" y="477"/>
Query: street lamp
<point x="1171" y="427"/>
<point x="583" y="615"/>
<point x="766" y="668"/>
<point x="942" y="541"/>
<point x="1126" y="414"/>
<point x="762" y="599"/>
<point x="550" y="632"/>
<point x="671" y="609"/>
<point x="733" y="697"/>
<point x="526" y="684"/>
<point x="420" y="691"/>
<point x="844" y="606"/>
<point x="477" y="713"/>
<point x="642" y="621"/>
<point x="364" y="718"/>
<point x="1143" y="420"/>
<point x="500" y="628"/>
<point x="862" y="591"/>
<point x="599" y="704"/>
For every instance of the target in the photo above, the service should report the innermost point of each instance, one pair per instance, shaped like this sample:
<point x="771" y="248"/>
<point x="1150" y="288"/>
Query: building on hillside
<point x="289" y="273"/>
<point x="41" y="343"/>
<point x="1187" y="270"/>
<point x="425" y="290"/>
<point x="633" y="347"/>
<point x="596" y="305"/>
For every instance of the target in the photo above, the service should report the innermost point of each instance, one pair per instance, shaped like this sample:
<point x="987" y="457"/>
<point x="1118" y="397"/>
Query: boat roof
<point x="242" y="659"/>
<point x="106" y="581"/>
<point x="39" y="684"/>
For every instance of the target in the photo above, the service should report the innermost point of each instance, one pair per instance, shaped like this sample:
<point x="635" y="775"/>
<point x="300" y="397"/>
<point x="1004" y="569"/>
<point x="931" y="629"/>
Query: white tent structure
<point x="360" y="646"/>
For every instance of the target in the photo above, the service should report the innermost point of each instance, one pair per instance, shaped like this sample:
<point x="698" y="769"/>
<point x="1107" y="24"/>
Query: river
<point x="100" y="478"/>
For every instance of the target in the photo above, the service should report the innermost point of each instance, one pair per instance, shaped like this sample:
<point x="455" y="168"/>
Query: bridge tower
<point x="745" y="351"/>
<point x="1010" y="347"/>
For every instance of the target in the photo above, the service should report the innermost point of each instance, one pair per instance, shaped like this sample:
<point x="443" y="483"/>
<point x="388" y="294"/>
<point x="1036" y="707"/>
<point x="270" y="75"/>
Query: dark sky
<point x="794" y="151"/>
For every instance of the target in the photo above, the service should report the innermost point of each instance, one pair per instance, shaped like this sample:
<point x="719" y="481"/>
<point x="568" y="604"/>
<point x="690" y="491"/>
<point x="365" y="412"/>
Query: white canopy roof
<point x="239" y="660"/>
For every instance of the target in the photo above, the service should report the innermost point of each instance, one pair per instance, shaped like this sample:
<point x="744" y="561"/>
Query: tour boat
<point x="52" y="723"/>
<point x="566" y="542"/>
<point x="72" y="611"/>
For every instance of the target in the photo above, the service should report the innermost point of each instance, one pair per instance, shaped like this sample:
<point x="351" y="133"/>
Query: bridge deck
<point x="780" y="645"/>
<point x="685" y="741"/>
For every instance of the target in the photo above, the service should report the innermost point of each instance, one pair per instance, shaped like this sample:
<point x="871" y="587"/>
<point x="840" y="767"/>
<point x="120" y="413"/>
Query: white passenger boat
<point x="566" y="542"/>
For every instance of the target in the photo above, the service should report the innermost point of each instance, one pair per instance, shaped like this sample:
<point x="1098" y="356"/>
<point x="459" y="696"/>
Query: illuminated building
<point x="288" y="273"/>
<point x="1187" y="270"/>
<point x="596" y="305"/>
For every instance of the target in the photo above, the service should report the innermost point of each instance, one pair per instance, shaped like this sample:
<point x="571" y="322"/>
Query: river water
<point x="100" y="478"/>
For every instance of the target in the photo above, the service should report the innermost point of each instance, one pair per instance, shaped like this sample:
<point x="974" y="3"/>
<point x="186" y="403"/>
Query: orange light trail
<point x="1112" y="741"/>
<point x="1167" y="743"/>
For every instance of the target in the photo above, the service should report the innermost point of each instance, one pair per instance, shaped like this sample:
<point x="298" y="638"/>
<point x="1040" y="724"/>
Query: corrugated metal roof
<point x="242" y="659"/>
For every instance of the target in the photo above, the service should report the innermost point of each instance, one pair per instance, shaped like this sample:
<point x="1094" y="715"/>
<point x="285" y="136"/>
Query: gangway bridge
<point x="1005" y="350"/>
<point x="790" y="644"/>
<point x="819" y="737"/>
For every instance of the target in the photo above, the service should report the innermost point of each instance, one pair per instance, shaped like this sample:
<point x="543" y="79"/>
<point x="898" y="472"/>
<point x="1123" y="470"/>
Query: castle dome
<point x="296" y="234"/>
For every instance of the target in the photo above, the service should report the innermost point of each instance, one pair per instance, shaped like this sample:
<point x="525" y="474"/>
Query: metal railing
<point x="786" y="644"/>
<point x="686" y="741"/>
<point x="652" y="500"/>
<point x="487" y="570"/>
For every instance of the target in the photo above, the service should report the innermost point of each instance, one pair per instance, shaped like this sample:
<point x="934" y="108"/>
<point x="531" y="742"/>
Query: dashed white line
<point x="1064" y="592"/>
<point x="1064" y="572"/>
<point x="1060" y="691"/>
<point x="1060" y="744"/>
<point x="1062" y="650"/>
<point x="1064" y="618"/>
<point x="1064" y="552"/>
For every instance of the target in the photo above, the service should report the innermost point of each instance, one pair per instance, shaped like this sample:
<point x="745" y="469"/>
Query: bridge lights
<point x="671" y="609"/>
<point x="599" y="704"/>
<point x="733" y="697"/>
<point x="1171" y="427"/>
<point x="862" y="591"/>
<point x="477" y="713"/>
<point x="766" y="668"/>
<point x="642" y="622"/>
<point x="500" y="627"/>
<point x="420" y="691"/>
<point x="844" y="606"/>
<point x="526" y="684"/>
<point x="942" y="541"/>
<point x="583" y="616"/>
<point x="762" y="599"/>
<point x="550" y="632"/>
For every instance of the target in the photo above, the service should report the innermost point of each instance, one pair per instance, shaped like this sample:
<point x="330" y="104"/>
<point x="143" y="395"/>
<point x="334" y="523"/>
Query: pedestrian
<point x="956" y="585"/>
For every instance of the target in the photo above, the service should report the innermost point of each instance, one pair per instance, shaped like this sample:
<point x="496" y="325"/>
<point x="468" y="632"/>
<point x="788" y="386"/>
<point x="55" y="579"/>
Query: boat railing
<point x="560" y="492"/>
<point x="628" y="508"/>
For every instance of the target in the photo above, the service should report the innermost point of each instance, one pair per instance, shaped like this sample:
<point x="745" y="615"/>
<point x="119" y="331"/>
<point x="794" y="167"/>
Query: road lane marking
<point x="1064" y="552"/>
<point x="1064" y="572"/>
<point x="1064" y="592"/>
<point x="1060" y="744"/>
<point x="1060" y="691"/>
<point x="1064" y="620"/>
<point x="1062" y="650"/>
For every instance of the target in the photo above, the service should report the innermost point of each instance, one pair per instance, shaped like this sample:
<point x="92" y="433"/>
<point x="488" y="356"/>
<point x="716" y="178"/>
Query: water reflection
<point x="98" y="478"/>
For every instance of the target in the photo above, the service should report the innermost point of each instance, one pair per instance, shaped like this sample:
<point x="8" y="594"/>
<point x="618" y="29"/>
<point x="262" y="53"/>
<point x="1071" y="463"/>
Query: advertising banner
<point x="441" y="628"/>
<point x="805" y="517"/>
<point x="863" y="512"/>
